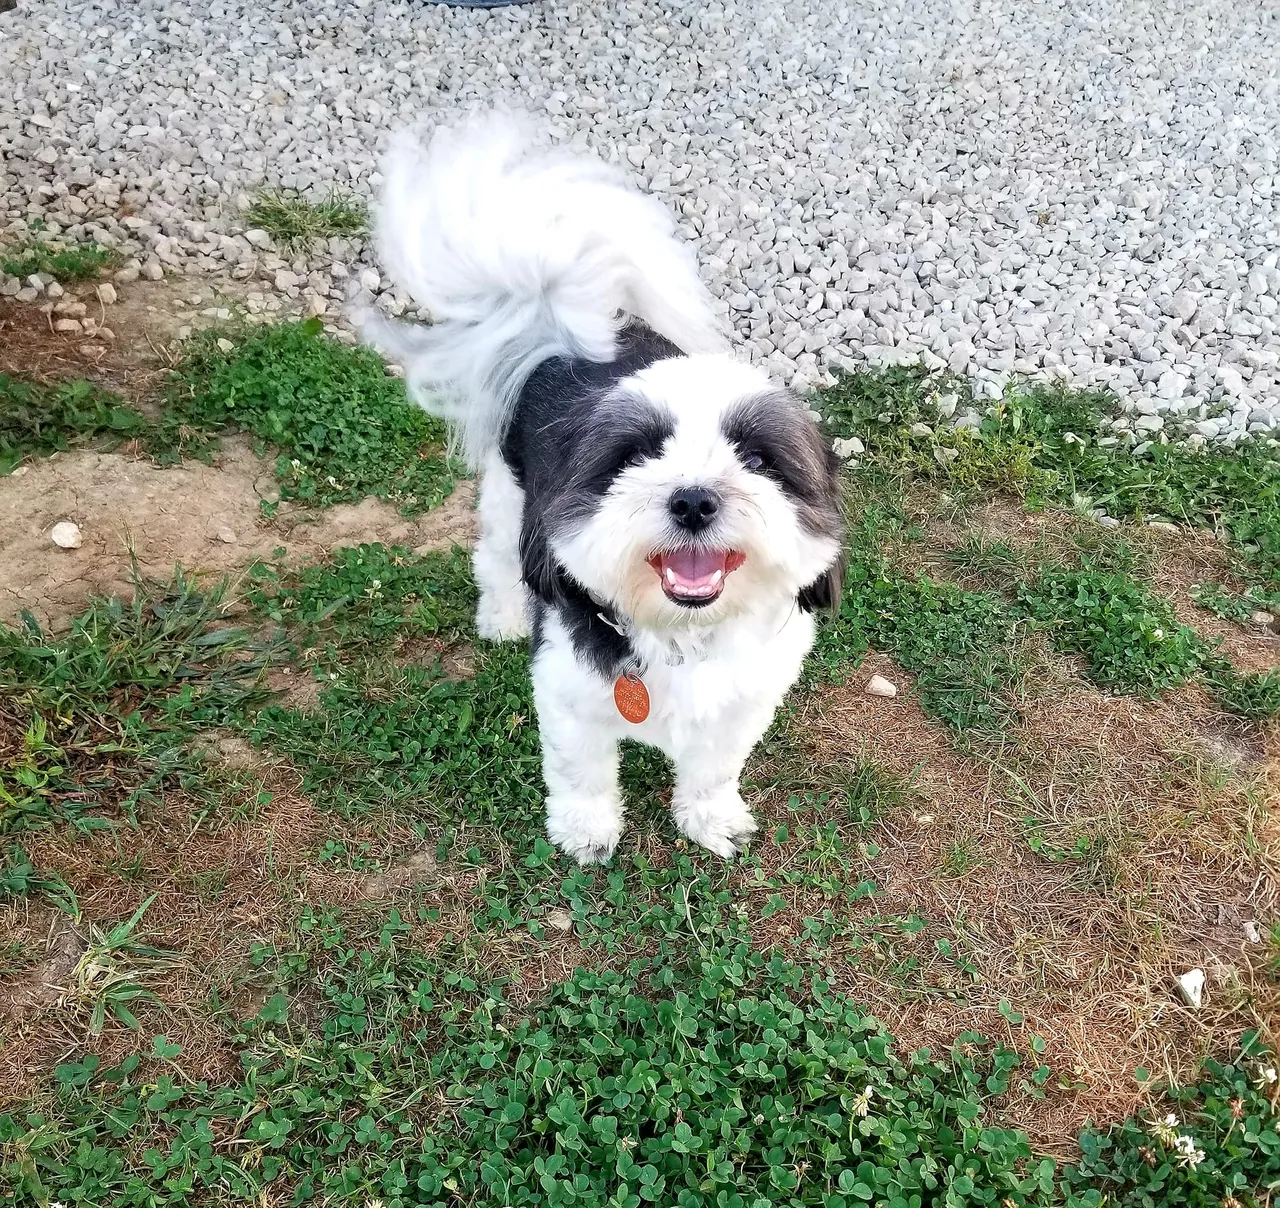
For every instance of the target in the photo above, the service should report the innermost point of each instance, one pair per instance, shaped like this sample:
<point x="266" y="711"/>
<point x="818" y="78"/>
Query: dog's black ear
<point x="824" y="592"/>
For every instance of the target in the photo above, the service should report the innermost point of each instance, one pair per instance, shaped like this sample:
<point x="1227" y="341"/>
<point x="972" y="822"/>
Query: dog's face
<point x="699" y="491"/>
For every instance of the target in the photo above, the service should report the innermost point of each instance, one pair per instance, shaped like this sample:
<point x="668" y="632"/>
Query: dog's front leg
<point x="707" y="805"/>
<point x="580" y="762"/>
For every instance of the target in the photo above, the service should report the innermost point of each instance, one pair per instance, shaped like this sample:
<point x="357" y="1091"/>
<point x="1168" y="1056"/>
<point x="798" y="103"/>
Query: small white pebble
<point x="560" y="920"/>
<point x="1191" y="986"/>
<point x="877" y="685"/>
<point x="66" y="533"/>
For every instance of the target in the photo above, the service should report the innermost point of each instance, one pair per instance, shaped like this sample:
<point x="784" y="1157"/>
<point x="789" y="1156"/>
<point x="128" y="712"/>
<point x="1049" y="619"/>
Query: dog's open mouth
<point x="695" y="576"/>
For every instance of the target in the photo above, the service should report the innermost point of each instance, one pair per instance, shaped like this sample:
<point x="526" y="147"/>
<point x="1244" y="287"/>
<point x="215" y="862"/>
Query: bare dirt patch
<point x="1192" y="559"/>
<point x="219" y="891"/>
<point x="133" y="346"/>
<point x="48" y="938"/>
<point x="208" y="518"/>
<point x="1152" y="859"/>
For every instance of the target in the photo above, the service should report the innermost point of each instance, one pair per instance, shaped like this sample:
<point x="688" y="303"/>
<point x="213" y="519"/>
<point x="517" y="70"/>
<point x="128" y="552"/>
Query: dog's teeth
<point x="715" y="578"/>
<point x="671" y="576"/>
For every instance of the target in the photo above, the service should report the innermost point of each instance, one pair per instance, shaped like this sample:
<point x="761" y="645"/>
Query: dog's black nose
<point x="694" y="507"/>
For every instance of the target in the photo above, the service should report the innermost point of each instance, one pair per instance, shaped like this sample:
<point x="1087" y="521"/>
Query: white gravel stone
<point x="877" y="685"/>
<point x="66" y="534"/>
<point x="843" y="171"/>
<point x="560" y="920"/>
<point x="848" y="447"/>
<point x="107" y="294"/>
<point x="1191" y="987"/>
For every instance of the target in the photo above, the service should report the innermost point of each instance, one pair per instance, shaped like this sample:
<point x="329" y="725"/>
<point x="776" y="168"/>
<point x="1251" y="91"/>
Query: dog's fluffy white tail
<point x="519" y="256"/>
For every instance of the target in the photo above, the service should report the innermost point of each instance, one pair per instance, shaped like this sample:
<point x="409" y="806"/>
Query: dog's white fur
<point x="526" y="257"/>
<point x="520" y="258"/>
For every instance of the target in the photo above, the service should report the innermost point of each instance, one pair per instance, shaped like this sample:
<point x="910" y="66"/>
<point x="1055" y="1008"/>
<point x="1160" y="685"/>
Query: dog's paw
<point x="587" y="830"/>
<point x="502" y="619"/>
<point x="721" y="822"/>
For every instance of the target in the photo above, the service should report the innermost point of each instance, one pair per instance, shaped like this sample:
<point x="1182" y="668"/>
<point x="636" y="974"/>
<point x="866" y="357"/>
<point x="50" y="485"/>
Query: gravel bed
<point x="1089" y="191"/>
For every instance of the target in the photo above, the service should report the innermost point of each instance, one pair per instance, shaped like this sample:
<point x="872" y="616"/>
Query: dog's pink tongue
<point x="695" y="568"/>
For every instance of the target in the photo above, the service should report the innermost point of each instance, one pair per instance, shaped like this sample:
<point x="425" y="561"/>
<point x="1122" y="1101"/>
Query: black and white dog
<point x="663" y="518"/>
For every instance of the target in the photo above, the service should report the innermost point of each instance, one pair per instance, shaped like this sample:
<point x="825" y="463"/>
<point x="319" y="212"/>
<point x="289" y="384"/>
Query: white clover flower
<point x="1185" y="1152"/>
<point x="861" y="1103"/>
<point x="1165" y="1131"/>
<point x="1157" y="634"/>
<point x="295" y="463"/>
<point x="1267" y="1077"/>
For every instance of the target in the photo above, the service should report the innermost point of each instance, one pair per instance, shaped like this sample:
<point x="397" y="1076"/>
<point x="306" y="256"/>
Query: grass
<point x="108" y="978"/>
<point x="37" y="420"/>
<point x="297" y="224"/>
<point x="733" y="1080"/>
<point x="961" y="645"/>
<point x="685" y="1067"/>
<point x="1127" y="635"/>
<point x="370" y="595"/>
<point x="1043" y="443"/>
<point x="97" y="719"/>
<point x="1233" y="606"/>
<point x="341" y="427"/>
<point x="497" y="1026"/>
<point x="64" y="262"/>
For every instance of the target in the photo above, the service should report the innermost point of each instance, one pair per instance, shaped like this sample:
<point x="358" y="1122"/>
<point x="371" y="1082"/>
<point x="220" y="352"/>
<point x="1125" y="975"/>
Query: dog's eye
<point x="634" y="457"/>
<point x="753" y="461"/>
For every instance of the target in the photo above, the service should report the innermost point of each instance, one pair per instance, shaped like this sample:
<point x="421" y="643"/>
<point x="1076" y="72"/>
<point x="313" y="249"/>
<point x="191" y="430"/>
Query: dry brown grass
<point x="30" y="348"/>
<point x="219" y="890"/>
<point x="1181" y="855"/>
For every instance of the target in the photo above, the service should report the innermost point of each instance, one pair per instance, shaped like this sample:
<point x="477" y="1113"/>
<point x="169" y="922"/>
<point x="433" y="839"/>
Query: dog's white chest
<point x="743" y="673"/>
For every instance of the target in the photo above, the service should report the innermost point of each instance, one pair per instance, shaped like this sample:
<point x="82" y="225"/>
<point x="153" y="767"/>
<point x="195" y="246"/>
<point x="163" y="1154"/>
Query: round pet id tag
<point x="631" y="697"/>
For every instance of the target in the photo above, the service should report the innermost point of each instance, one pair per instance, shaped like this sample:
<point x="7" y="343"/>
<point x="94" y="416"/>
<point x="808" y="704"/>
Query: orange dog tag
<point x="631" y="697"/>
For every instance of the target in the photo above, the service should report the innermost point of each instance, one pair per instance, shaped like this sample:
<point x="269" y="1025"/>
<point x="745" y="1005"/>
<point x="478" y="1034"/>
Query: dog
<point x="662" y="519"/>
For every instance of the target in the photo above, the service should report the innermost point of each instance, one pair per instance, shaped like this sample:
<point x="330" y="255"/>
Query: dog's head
<point x="694" y="491"/>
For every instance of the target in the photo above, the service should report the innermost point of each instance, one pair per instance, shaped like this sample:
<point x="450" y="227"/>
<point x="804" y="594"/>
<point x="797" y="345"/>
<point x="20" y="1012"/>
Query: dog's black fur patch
<point x="565" y="449"/>
<point x="568" y="440"/>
